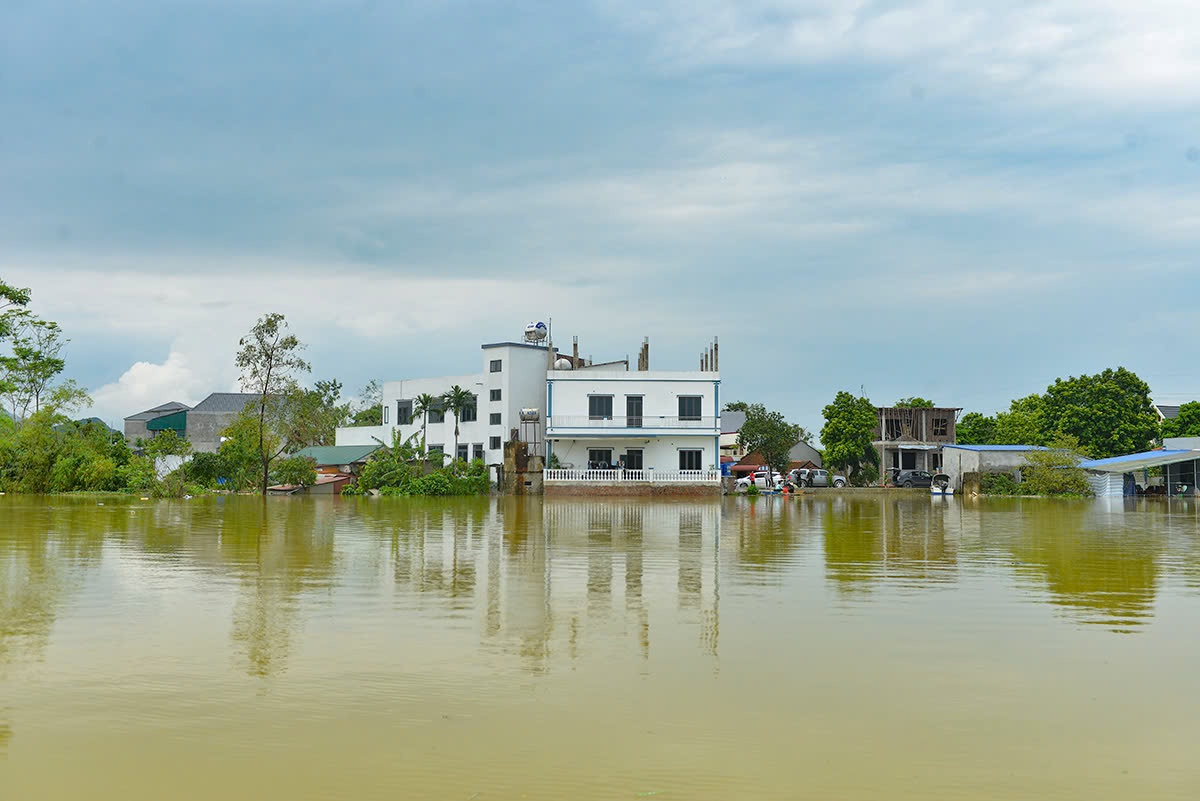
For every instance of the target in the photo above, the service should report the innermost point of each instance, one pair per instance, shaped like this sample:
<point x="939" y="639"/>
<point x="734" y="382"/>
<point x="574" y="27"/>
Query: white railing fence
<point x="631" y="476"/>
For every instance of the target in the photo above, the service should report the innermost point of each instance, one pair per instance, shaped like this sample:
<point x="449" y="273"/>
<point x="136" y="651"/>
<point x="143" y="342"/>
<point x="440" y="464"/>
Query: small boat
<point x="941" y="485"/>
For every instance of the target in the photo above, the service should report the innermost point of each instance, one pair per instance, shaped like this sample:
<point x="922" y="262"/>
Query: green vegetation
<point x="768" y="433"/>
<point x="1187" y="424"/>
<point x="847" y="435"/>
<point x="1050" y="472"/>
<point x="1108" y="414"/>
<point x="370" y="405"/>
<point x="403" y="469"/>
<point x="914" y="403"/>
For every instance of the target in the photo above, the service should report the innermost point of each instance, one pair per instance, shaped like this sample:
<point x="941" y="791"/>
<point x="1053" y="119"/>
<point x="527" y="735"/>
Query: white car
<point x="759" y="479"/>
<point x="817" y="478"/>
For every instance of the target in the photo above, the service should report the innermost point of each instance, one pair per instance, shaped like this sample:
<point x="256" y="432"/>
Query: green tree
<point x="768" y="433"/>
<point x="1186" y="424"/>
<point x="423" y="404"/>
<point x="457" y="400"/>
<point x="298" y="471"/>
<point x="269" y="360"/>
<point x="1023" y="424"/>
<point x="167" y="443"/>
<point x="369" y="411"/>
<point x="240" y="452"/>
<point x="976" y="429"/>
<point x="1055" y="470"/>
<point x="847" y="436"/>
<point x="315" y="414"/>
<point x="914" y="403"/>
<point x="26" y="374"/>
<point x="11" y="299"/>
<point x="1109" y="413"/>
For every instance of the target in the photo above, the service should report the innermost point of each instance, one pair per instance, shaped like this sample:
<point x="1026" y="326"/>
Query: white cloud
<point x="1147" y="51"/>
<point x="145" y="385"/>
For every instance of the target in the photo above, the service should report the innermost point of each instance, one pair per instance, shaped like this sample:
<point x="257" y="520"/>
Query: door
<point x="633" y="459"/>
<point x="600" y="458"/>
<point x="633" y="411"/>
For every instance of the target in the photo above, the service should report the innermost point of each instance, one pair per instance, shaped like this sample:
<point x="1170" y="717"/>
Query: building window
<point x="403" y="412"/>
<point x="385" y="413"/>
<point x="689" y="407"/>
<point x="494" y="443"/>
<point x="496" y="366"/>
<point x="437" y="449"/>
<point x="941" y="426"/>
<point x="494" y="419"/>
<point x="691" y="459"/>
<point x="463" y="452"/>
<point x="600" y="407"/>
<point x="436" y="415"/>
<point x="470" y="412"/>
<point x="599" y="458"/>
<point x="477" y="451"/>
<point x="495" y="395"/>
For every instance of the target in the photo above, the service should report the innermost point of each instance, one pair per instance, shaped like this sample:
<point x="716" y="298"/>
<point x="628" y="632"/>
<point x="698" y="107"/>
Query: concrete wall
<point x="135" y="430"/>
<point x="957" y="461"/>
<point x="660" y="391"/>
<point x="204" y="429"/>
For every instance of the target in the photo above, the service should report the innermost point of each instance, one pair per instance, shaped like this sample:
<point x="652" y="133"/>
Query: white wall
<point x="660" y="453"/>
<point x="521" y="381"/>
<point x="660" y="391"/>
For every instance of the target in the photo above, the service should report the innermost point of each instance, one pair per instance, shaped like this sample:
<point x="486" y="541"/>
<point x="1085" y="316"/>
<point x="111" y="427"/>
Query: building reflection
<point x="888" y="539"/>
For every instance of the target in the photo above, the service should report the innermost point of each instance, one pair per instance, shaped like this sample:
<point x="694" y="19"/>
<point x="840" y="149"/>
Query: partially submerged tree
<point x="1055" y="470"/>
<point x="768" y="433"/>
<point x="848" y="436"/>
<point x="269" y="360"/>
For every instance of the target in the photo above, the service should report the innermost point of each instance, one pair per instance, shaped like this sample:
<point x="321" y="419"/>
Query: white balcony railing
<point x="563" y="476"/>
<point x="645" y="421"/>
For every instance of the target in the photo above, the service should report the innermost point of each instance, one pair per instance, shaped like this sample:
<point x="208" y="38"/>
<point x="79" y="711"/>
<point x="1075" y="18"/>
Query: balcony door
<point x="633" y="459"/>
<point x="633" y="412"/>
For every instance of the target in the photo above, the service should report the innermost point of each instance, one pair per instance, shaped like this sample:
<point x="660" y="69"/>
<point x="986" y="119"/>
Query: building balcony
<point x="618" y="476"/>
<point x="582" y="425"/>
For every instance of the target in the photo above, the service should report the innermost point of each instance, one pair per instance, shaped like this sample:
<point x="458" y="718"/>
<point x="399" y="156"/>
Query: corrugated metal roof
<point x="1167" y="412"/>
<point x="219" y="402"/>
<point x="338" y="454"/>
<point x="996" y="447"/>
<point x="732" y="422"/>
<point x="1137" y="461"/>
<point x="159" y="411"/>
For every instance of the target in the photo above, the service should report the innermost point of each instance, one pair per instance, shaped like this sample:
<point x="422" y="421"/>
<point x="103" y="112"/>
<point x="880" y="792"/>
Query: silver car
<point x="816" y="478"/>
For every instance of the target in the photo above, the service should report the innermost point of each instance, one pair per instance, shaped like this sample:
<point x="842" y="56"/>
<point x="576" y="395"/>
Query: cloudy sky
<point x="961" y="200"/>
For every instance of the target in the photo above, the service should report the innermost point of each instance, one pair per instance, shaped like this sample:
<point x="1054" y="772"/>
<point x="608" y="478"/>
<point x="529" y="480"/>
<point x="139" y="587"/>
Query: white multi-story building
<point x="512" y="377"/>
<point x="600" y="423"/>
<point x="642" y="426"/>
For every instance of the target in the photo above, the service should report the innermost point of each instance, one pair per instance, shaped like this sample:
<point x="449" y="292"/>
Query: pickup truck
<point x="816" y="478"/>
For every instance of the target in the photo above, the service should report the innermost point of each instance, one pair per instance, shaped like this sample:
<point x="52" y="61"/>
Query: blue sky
<point x="956" y="200"/>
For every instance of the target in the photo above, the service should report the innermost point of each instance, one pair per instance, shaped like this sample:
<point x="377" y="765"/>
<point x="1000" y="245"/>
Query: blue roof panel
<point x="997" y="447"/>
<point x="1164" y="455"/>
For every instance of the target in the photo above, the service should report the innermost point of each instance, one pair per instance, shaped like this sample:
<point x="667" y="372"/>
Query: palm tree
<point x="423" y="404"/>
<point x="456" y="399"/>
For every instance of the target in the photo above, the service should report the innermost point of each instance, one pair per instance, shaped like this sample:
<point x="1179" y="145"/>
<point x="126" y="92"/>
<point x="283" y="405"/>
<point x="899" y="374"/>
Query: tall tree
<point x="27" y="374"/>
<point x="847" y="436"/>
<point x="768" y="433"/>
<point x="914" y="403"/>
<point x="976" y="429"/>
<point x="369" y="410"/>
<point x="269" y="360"/>
<point x="457" y="400"/>
<point x="1023" y="424"/>
<point x="1186" y="424"/>
<point x="315" y="415"/>
<point x="423" y="405"/>
<point x="1110" y="413"/>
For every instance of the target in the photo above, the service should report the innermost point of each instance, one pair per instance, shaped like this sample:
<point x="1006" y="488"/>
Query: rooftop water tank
<point x="563" y="363"/>
<point x="530" y="415"/>
<point x="536" y="332"/>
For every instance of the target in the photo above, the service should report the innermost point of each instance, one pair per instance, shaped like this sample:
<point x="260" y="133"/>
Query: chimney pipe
<point x="716" y="355"/>
<point x="574" y="351"/>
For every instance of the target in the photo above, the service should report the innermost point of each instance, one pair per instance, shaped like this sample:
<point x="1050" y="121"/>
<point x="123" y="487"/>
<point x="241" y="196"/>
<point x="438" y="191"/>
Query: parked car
<point x="805" y="477"/>
<point x="913" y="478"/>
<point x="759" y="479"/>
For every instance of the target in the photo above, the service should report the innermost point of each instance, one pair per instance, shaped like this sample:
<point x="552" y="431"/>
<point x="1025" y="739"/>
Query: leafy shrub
<point x="1000" y="484"/>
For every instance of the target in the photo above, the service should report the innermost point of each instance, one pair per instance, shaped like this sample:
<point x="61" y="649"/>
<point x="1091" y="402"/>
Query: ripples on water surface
<point x="824" y="647"/>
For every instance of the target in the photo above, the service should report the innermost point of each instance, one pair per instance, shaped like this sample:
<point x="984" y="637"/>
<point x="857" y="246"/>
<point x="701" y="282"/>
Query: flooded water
<point x="873" y="647"/>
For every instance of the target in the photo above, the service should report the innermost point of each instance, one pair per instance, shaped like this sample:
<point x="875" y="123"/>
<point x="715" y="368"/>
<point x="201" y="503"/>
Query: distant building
<point x="960" y="459"/>
<point x="136" y="425"/>
<point x="200" y="425"/>
<point x="913" y="438"/>
<point x="211" y="416"/>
